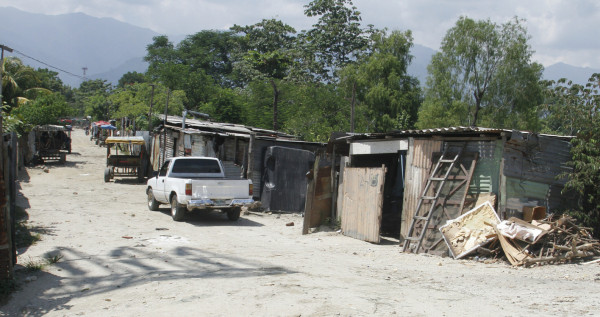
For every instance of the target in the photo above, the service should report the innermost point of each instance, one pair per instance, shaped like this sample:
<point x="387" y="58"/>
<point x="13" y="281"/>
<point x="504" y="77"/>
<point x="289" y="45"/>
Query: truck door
<point x="159" y="191"/>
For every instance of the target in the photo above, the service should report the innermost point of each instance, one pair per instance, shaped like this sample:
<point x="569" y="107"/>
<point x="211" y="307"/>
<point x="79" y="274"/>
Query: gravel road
<point x="117" y="258"/>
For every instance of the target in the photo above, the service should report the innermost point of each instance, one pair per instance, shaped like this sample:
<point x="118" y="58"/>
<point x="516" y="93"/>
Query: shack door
<point x="362" y="200"/>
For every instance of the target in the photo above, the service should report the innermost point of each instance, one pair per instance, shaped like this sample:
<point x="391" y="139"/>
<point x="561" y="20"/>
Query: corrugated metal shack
<point x="241" y="148"/>
<point x="515" y="168"/>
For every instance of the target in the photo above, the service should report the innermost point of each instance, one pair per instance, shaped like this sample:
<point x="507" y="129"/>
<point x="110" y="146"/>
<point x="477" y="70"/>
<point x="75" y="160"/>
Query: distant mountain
<point x="73" y="41"/>
<point x="578" y="75"/>
<point x="421" y="58"/>
<point x="109" y="48"/>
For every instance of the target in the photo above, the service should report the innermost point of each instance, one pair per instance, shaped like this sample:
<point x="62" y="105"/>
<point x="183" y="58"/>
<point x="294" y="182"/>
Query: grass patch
<point x="38" y="265"/>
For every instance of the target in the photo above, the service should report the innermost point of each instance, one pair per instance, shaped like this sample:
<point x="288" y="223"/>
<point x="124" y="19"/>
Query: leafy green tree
<point x="268" y="56"/>
<point x="91" y="98"/>
<point x="133" y="102"/>
<point x="336" y="40"/>
<point x="390" y="96"/>
<point x="131" y="78"/>
<point x="483" y="73"/>
<point x="47" y="109"/>
<point x="225" y="106"/>
<point x="575" y="109"/>
<point x="211" y="51"/>
<point x="19" y="83"/>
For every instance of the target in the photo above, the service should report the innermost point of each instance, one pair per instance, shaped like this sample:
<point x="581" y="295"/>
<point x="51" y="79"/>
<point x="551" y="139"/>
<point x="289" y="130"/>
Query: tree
<point x="336" y="40"/>
<point x="390" y="96"/>
<point x="268" y="55"/>
<point x="47" y="109"/>
<point x="19" y="83"/>
<point x="576" y="109"/>
<point x="483" y="73"/>
<point x="131" y="78"/>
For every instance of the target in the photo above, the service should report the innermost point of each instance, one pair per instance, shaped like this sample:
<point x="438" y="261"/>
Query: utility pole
<point x="150" y="112"/>
<point x="6" y="216"/>
<point x="165" y="128"/>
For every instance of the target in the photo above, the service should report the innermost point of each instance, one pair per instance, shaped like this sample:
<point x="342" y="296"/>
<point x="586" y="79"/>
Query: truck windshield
<point x="196" y="166"/>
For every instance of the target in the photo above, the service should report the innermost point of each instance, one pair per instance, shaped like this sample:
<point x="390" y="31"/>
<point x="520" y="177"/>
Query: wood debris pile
<point x="561" y="241"/>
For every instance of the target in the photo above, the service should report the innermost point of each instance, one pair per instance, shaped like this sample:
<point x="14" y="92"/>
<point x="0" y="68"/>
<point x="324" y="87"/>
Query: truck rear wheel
<point x="233" y="213"/>
<point x="177" y="210"/>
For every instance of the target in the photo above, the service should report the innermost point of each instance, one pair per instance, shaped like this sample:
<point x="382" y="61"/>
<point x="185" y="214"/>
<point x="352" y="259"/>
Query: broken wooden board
<point x="471" y="230"/>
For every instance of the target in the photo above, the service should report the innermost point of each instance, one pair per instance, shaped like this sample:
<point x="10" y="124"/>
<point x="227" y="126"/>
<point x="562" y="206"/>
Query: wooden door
<point x="362" y="200"/>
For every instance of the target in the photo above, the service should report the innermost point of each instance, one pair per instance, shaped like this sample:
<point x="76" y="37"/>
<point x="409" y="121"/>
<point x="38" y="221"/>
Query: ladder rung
<point x="420" y="218"/>
<point x="437" y="179"/>
<point x="428" y="197"/>
<point x="447" y="161"/>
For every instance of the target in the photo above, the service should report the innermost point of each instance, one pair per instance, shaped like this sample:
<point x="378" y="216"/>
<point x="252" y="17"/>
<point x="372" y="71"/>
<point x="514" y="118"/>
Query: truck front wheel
<point x="177" y="210"/>
<point x="233" y="213"/>
<point x="152" y="203"/>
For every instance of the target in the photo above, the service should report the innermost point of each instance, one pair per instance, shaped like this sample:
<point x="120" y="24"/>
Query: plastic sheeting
<point x="284" y="178"/>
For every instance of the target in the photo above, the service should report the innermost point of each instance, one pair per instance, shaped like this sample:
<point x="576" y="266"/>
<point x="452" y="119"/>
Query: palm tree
<point x="19" y="83"/>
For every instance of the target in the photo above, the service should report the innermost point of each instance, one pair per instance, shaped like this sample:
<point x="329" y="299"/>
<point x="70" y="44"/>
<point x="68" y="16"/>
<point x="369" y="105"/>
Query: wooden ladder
<point x="423" y="216"/>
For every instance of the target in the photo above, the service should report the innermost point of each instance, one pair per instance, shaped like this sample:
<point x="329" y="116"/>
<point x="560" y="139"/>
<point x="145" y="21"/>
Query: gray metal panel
<point x="232" y="170"/>
<point x="536" y="158"/>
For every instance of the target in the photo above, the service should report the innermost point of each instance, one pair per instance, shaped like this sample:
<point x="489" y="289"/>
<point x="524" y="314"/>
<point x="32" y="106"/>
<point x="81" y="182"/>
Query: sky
<point x="560" y="30"/>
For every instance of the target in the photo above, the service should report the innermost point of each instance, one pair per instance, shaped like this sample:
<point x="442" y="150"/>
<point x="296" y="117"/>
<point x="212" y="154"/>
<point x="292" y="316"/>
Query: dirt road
<point x="120" y="259"/>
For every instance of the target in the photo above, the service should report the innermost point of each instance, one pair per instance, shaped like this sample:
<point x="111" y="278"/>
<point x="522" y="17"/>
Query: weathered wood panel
<point x="362" y="202"/>
<point x="418" y="164"/>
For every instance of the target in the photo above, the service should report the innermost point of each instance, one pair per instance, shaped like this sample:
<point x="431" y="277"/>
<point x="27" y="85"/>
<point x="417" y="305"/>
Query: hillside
<point x="109" y="48"/>
<point x="73" y="41"/>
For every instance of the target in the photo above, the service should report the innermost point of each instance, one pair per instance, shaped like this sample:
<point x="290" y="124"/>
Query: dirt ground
<point x="117" y="258"/>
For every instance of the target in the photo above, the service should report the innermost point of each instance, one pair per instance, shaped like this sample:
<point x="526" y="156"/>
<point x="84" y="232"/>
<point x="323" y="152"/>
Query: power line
<point x="53" y="67"/>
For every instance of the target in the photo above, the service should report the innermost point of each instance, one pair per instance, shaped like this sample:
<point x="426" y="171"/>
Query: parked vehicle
<point x="52" y="142"/>
<point x="126" y="156"/>
<point x="197" y="183"/>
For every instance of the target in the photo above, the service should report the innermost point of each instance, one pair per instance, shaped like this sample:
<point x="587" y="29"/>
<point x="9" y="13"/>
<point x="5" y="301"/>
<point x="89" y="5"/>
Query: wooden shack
<point x="512" y="169"/>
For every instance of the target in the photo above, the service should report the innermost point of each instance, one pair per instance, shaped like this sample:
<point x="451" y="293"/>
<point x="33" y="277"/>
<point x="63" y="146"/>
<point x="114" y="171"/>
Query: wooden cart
<point x="132" y="161"/>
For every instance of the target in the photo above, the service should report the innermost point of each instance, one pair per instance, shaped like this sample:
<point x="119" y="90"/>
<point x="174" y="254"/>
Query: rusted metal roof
<point x="449" y="131"/>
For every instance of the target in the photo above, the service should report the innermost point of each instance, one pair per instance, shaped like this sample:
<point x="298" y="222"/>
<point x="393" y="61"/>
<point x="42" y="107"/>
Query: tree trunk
<point x="275" y="101"/>
<point x="477" y="96"/>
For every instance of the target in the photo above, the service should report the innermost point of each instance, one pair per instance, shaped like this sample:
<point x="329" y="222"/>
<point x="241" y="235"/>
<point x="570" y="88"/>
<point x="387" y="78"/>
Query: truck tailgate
<point x="220" y="188"/>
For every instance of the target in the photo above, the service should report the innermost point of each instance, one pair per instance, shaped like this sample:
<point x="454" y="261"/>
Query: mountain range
<point x="108" y="48"/>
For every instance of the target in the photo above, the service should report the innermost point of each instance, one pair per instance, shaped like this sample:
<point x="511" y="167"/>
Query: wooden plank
<point x="361" y="218"/>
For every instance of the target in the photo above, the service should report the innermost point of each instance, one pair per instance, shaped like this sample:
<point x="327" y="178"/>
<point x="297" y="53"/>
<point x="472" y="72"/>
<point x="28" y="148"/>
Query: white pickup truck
<point x="188" y="183"/>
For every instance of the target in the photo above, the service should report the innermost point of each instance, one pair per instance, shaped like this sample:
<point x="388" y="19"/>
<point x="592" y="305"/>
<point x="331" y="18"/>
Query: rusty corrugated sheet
<point x="419" y="160"/>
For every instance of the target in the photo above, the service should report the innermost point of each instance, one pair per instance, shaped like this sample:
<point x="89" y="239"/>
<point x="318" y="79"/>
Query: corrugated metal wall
<point x="418" y="163"/>
<point x="531" y="165"/>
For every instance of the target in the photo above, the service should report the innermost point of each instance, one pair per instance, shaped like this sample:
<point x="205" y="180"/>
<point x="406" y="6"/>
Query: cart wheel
<point x="233" y="213"/>
<point x="63" y="158"/>
<point x="140" y="175"/>
<point x="107" y="175"/>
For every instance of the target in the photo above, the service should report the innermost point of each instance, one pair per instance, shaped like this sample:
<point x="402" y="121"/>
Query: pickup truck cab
<point x="190" y="183"/>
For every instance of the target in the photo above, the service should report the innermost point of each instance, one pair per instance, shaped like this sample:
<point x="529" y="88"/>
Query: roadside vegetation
<point x="339" y="75"/>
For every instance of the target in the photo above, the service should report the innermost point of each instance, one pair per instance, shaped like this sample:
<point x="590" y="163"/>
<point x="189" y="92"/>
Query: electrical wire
<point x="53" y="67"/>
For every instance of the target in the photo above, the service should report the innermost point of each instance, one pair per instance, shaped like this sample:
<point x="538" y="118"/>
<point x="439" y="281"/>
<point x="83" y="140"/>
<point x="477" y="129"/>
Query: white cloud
<point x="561" y="30"/>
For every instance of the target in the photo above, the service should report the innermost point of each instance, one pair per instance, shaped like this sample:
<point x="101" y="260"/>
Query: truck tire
<point x="152" y="203"/>
<point x="107" y="175"/>
<point x="233" y="213"/>
<point x="177" y="210"/>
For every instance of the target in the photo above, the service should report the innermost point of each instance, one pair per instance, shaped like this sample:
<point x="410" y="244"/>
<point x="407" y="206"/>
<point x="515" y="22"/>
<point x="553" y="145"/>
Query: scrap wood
<point x="565" y="241"/>
<point x="515" y="255"/>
